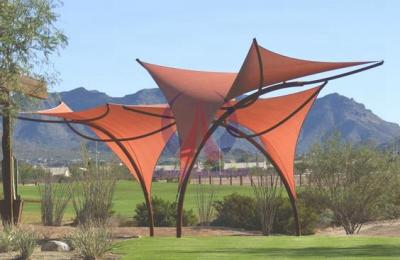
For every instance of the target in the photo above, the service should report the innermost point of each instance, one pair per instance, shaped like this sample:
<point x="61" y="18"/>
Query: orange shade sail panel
<point x="124" y="122"/>
<point x="61" y="108"/>
<point x="196" y="96"/>
<point x="263" y="67"/>
<point x="277" y="122"/>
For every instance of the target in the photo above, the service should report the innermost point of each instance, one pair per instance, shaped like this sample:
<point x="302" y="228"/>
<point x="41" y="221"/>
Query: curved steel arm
<point x="62" y="121"/>
<point x="146" y="113"/>
<point x="37" y="120"/>
<point x="284" y="85"/>
<point x="117" y="139"/>
<point x="68" y="123"/>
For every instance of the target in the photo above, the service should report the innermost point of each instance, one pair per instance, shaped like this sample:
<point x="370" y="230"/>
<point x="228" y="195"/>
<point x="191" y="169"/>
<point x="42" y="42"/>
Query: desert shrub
<point x="164" y="214"/>
<point x="54" y="198"/>
<point x="6" y="239"/>
<point x="268" y="198"/>
<point x="284" y="220"/>
<point x="91" y="240"/>
<point x="237" y="211"/>
<point x="205" y="197"/>
<point x="24" y="240"/>
<point x="318" y="204"/>
<point x="389" y="202"/>
<point x="92" y="191"/>
<point x="350" y="181"/>
<point x="389" y="206"/>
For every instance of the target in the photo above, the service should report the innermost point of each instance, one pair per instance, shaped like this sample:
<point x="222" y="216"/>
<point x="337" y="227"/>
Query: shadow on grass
<point x="355" y="251"/>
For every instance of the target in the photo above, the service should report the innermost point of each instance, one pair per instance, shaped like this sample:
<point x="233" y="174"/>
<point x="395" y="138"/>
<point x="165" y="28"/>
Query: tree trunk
<point x="8" y="180"/>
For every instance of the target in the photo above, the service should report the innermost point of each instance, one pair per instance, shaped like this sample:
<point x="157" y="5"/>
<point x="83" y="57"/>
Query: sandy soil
<point x="38" y="255"/>
<point x="378" y="228"/>
<point x="48" y="233"/>
<point x="388" y="228"/>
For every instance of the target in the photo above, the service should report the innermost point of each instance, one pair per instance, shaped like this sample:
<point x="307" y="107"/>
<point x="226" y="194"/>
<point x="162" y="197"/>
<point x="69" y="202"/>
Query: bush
<point x="237" y="211"/>
<point x="389" y="203"/>
<point x="318" y="204"/>
<point x="164" y="214"/>
<point x="91" y="240"/>
<point x="24" y="241"/>
<point x="284" y="220"/>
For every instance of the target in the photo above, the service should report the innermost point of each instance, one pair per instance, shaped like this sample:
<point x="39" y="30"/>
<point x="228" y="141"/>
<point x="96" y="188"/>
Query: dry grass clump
<point x="92" y="191"/>
<point x="91" y="240"/>
<point x="54" y="200"/>
<point x="24" y="241"/>
<point x="6" y="239"/>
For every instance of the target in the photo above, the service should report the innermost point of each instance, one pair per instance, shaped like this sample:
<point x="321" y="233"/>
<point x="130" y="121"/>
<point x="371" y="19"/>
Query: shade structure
<point x="152" y="125"/>
<point x="277" y="123"/>
<point x="196" y="96"/>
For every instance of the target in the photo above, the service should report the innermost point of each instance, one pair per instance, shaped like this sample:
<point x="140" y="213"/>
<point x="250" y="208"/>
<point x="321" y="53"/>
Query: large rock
<point x="54" y="245"/>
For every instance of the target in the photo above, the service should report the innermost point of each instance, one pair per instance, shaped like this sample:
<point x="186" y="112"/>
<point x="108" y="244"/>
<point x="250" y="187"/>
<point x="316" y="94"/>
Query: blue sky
<point x="105" y="37"/>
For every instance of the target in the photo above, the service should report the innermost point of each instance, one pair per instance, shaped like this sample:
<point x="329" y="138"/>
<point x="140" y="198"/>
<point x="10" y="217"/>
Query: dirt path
<point x="48" y="233"/>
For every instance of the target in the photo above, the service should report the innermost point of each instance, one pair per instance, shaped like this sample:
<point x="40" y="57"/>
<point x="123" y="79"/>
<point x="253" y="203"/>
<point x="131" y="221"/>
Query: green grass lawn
<point x="278" y="247"/>
<point x="127" y="195"/>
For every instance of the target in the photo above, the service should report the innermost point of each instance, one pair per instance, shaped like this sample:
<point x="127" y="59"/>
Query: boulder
<point x="54" y="245"/>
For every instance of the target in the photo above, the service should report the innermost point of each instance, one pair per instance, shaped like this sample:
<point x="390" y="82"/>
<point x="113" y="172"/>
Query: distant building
<point x="226" y="166"/>
<point x="59" y="171"/>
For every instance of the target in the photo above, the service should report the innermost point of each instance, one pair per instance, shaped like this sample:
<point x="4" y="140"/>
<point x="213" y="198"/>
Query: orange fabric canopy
<point x="61" y="108"/>
<point x="276" y="68"/>
<point x="125" y="122"/>
<point x="196" y="96"/>
<point x="281" y="119"/>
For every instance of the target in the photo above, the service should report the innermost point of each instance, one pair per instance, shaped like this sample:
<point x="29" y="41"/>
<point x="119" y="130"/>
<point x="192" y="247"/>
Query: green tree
<point x="28" y="38"/>
<point x="29" y="174"/>
<point x="349" y="180"/>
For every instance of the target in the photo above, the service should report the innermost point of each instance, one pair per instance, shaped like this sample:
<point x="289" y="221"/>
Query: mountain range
<point x="56" y="144"/>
